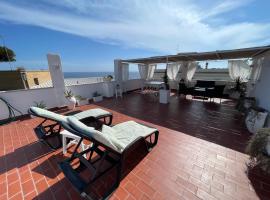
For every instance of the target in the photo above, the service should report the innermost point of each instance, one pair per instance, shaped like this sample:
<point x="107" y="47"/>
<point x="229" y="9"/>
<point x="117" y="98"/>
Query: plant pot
<point x="98" y="98"/>
<point x="108" y="89"/>
<point x="235" y="95"/>
<point x="164" y="96"/>
<point x="72" y="102"/>
<point x="255" y="120"/>
<point x="83" y="102"/>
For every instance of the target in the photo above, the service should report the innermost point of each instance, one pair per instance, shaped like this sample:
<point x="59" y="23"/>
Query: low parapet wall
<point x="23" y="99"/>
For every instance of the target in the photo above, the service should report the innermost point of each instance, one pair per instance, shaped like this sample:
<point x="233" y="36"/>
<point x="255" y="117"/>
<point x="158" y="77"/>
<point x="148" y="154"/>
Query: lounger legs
<point x="46" y="132"/>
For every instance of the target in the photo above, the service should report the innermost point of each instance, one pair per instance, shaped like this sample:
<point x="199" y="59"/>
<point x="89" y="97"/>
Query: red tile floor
<point x="199" y="155"/>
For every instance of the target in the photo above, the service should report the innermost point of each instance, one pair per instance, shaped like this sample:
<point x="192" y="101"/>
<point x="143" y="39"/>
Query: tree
<point x="6" y="54"/>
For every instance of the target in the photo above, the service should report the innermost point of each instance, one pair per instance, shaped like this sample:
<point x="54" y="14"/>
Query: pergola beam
<point x="203" y="56"/>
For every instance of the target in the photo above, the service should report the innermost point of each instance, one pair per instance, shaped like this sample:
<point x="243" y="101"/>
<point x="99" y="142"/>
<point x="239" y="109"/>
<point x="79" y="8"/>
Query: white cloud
<point x="164" y="26"/>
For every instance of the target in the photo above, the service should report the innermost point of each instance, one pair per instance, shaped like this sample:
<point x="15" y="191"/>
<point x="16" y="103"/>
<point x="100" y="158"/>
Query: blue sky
<point x="90" y="34"/>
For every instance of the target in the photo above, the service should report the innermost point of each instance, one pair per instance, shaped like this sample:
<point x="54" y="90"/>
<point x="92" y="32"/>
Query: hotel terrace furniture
<point x="49" y="133"/>
<point x="154" y="85"/>
<point x="203" y="87"/>
<point x="109" y="150"/>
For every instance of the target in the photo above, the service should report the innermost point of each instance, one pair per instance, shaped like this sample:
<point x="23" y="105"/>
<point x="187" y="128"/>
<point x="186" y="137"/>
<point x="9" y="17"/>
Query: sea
<point x="67" y="75"/>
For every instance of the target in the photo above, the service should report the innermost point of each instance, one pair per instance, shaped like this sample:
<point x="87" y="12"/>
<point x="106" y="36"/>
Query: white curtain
<point x="125" y="71"/>
<point x="255" y="74"/>
<point x="188" y="70"/>
<point x="239" y="69"/>
<point x="147" y="71"/>
<point x="192" y="67"/>
<point x="172" y="70"/>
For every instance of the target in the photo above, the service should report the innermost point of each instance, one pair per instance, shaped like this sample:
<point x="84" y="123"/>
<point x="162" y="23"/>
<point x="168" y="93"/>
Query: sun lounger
<point x="48" y="132"/>
<point x="111" y="144"/>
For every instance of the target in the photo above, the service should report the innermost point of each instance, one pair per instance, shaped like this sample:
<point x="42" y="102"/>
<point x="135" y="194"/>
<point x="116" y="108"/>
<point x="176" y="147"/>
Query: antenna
<point x="6" y="51"/>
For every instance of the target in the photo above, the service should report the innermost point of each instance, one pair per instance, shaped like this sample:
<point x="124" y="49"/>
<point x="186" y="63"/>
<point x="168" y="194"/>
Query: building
<point x="22" y="79"/>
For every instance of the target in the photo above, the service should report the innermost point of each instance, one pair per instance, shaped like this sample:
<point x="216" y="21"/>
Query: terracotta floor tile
<point x="200" y="154"/>
<point x="28" y="187"/>
<point x="41" y="186"/>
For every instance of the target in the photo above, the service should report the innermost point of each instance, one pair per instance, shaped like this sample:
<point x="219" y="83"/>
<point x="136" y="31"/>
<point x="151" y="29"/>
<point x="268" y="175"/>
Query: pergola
<point x="244" y="53"/>
<point x="202" y="56"/>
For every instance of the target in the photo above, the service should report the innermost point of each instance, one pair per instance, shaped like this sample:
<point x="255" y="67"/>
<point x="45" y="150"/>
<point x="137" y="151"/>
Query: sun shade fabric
<point x="146" y="71"/>
<point x="48" y="114"/>
<point x="96" y="112"/>
<point x="255" y="74"/>
<point x="125" y="71"/>
<point x="188" y="70"/>
<point x="173" y="69"/>
<point x="239" y="69"/>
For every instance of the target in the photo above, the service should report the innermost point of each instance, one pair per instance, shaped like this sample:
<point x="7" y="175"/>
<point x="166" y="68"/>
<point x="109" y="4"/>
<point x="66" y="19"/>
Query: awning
<point x="201" y="56"/>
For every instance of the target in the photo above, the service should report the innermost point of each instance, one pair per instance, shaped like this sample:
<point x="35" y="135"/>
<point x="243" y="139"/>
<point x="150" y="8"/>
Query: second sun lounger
<point x="48" y="132"/>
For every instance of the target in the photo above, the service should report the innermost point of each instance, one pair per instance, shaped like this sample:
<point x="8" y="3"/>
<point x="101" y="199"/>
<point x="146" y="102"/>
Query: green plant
<point x="96" y="94"/>
<point x="6" y="54"/>
<point x="166" y="80"/>
<point x="110" y="76"/>
<point x="79" y="98"/>
<point x="238" y="83"/>
<point x="68" y="94"/>
<point x="40" y="104"/>
<point x="257" y="151"/>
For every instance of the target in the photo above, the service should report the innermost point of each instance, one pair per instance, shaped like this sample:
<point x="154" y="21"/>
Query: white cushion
<point x="129" y="131"/>
<point x="91" y="132"/>
<point x="48" y="114"/>
<point x="96" y="112"/>
<point x="110" y="132"/>
<point x="117" y="137"/>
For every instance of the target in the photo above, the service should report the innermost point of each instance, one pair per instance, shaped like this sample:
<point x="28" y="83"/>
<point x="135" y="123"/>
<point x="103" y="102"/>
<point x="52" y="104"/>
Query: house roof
<point x="201" y="56"/>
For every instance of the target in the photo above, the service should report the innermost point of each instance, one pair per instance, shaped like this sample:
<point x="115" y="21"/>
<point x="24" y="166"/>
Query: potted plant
<point x="40" y="104"/>
<point x="164" y="92"/>
<point x="108" y="78"/>
<point x="81" y="100"/>
<point x="71" y="98"/>
<point x="97" y="97"/>
<point x="255" y="119"/>
<point x="258" y="149"/>
<point x="238" y="89"/>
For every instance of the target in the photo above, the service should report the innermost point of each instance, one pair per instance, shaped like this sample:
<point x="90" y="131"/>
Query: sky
<point x="90" y="34"/>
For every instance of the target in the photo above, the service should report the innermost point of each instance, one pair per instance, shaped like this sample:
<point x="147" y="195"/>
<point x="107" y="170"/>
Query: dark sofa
<point x="205" y="89"/>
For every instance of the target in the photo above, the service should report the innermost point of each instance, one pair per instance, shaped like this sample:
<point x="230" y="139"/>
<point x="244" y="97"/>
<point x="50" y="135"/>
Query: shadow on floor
<point x="23" y="156"/>
<point x="218" y="123"/>
<point x="64" y="190"/>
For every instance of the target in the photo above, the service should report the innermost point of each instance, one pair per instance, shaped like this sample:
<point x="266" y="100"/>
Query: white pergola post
<point x="57" y="77"/>
<point x="118" y="71"/>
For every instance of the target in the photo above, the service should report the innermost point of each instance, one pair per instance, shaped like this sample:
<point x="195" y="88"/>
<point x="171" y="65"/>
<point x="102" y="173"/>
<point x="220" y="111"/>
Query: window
<point x="36" y="81"/>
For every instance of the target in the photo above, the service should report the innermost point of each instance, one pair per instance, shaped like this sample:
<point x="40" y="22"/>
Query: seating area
<point x="204" y="89"/>
<point x="199" y="155"/>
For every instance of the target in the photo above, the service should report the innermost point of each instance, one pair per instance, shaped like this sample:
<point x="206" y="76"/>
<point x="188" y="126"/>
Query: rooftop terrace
<point x="199" y="155"/>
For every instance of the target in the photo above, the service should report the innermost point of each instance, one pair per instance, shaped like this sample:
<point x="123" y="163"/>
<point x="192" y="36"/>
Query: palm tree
<point x="6" y="54"/>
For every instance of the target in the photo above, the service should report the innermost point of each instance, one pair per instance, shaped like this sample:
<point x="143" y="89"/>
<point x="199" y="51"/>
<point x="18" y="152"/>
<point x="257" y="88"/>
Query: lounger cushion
<point x="48" y="114"/>
<point x="129" y="131"/>
<point x="110" y="132"/>
<point x="96" y="112"/>
<point x="90" y="132"/>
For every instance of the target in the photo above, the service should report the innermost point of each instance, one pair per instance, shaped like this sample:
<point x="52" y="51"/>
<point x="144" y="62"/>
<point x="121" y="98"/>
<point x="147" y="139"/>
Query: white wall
<point x="23" y="99"/>
<point x="86" y="90"/>
<point x="262" y="88"/>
